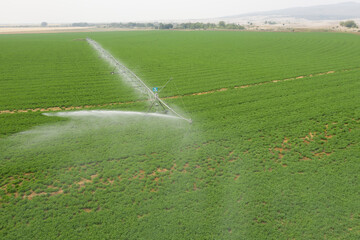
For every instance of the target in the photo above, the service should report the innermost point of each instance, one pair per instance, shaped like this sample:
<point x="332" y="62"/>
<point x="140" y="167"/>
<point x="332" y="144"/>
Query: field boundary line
<point x="55" y="109"/>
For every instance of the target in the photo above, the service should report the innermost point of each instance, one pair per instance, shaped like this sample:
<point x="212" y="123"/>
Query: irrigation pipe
<point x="135" y="81"/>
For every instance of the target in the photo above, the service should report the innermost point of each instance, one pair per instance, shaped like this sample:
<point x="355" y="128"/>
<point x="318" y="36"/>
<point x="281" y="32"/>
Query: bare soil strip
<point x="54" y="109"/>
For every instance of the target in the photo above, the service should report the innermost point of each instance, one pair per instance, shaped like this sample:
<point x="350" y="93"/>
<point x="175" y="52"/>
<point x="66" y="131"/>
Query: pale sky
<point x="68" y="11"/>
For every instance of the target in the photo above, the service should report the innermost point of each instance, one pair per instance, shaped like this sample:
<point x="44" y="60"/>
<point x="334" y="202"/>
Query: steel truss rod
<point x="135" y="80"/>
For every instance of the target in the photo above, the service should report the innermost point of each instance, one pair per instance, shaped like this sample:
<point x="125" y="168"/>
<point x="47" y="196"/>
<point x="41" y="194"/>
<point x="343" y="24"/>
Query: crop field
<point x="53" y="71"/>
<point x="272" y="153"/>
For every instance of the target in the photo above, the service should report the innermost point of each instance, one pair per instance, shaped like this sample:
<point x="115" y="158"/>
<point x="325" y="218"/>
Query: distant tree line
<point x="270" y="22"/>
<point x="349" y="24"/>
<point x="131" y="25"/>
<point x="156" y="25"/>
<point x="82" y="24"/>
<point x="197" y="25"/>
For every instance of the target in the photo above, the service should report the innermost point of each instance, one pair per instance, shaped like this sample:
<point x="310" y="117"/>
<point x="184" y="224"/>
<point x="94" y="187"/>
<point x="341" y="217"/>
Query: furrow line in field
<point x="170" y="97"/>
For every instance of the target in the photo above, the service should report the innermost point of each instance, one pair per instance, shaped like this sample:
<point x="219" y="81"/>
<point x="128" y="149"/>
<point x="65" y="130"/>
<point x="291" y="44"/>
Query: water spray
<point x="134" y="80"/>
<point x="106" y="113"/>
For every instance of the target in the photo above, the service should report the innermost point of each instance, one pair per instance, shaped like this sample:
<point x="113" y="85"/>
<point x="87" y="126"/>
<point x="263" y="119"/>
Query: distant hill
<point x="338" y="11"/>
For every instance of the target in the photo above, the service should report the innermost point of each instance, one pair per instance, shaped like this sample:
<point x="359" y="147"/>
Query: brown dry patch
<point x="84" y="181"/>
<point x="244" y="86"/>
<point x="49" y="29"/>
<point x="202" y="93"/>
<point x="186" y="165"/>
<point x="57" y="193"/>
<point x="141" y="175"/>
<point x="173" y="167"/>
<point x="162" y="170"/>
<point x="11" y="180"/>
<point x="328" y="136"/>
<point x="172" y="97"/>
<point x="56" y="109"/>
<point x="194" y="186"/>
<point x="305" y="159"/>
<point x="279" y="149"/>
<point x="308" y="138"/>
<point x="222" y="90"/>
<point x="237" y="177"/>
<point x="87" y="210"/>
<point x="321" y="154"/>
<point x="153" y="190"/>
<point x="156" y="179"/>
<point x="284" y="165"/>
<point x="34" y="194"/>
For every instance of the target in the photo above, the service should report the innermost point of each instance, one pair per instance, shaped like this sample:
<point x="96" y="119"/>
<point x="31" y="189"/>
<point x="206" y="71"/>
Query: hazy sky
<point x="65" y="11"/>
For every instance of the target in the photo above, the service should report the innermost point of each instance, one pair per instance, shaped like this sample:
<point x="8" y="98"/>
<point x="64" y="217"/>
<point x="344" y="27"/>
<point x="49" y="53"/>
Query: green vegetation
<point x="272" y="154"/>
<point x="349" y="24"/>
<point x="41" y="71"/>
<point x="203" y="61"/>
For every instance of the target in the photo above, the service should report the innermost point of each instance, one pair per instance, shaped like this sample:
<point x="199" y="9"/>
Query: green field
<point x="273" y="151"/>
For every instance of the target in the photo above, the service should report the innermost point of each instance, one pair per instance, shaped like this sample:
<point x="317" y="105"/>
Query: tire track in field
<point x="55" y="109"/>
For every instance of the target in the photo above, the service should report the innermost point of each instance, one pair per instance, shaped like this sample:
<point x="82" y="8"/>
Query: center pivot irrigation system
<point x="134" y="80"/>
